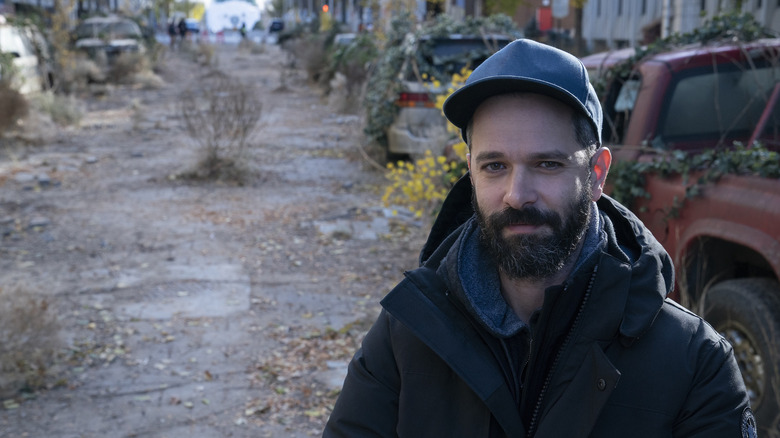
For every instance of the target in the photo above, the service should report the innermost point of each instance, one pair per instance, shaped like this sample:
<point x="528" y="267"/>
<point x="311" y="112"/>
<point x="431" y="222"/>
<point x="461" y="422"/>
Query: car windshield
<point x="714" y="104"/>
<point x="443" y="57"/>
<point x="112" y="29"/>
<point x="12" y="42"/>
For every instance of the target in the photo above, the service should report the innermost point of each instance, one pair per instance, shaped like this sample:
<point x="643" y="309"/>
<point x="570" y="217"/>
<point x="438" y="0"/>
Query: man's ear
<point x="601" y="161"/>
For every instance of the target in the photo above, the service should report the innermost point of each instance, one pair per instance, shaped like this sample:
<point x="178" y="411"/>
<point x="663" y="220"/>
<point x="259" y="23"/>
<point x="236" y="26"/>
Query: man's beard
<point x="531" y="256"/>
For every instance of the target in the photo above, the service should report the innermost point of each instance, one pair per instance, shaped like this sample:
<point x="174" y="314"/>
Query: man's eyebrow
<point x="551" y="155"/>
<point x="487" y="156"/>
<point x="537" y="156"/>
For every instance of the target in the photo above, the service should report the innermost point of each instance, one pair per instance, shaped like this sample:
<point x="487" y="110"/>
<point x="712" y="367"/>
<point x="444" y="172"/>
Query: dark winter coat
<point x="610" y="355"/>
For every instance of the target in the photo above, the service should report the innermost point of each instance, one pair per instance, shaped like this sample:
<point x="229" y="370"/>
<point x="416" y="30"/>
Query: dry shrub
<point x="257" y="48"/>
<point x="344" y="96"/>
<point x="13" y="106"/>
<point x="310" y="52"/>
<point x="157" y="57"/>
<point x="64" y="110"/>
<point x="205" y="54"/>
<point x="147" y="80"/>
<point x="220" y="117"/>
<point x="251" y="46"/>
<point x="30" y="332"/>
<point x="77" y="72"/>
<point x="245" y="45"/>
<point x="126" y="66"/>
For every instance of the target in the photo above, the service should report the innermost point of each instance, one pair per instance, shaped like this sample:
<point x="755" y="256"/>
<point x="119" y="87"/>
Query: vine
<point x="729" y="27"/>
<point x="406" y="44"/>
<point x="629" y="177"/>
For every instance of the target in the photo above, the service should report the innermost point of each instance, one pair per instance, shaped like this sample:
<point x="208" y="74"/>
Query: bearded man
<point x="539" y="308"/>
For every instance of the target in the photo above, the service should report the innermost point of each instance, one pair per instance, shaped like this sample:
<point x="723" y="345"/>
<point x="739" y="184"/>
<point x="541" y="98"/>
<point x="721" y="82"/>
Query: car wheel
<point x="747" y="313"/>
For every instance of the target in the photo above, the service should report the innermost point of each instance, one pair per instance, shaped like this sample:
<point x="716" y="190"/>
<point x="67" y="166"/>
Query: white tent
<point x="231" y="14"/>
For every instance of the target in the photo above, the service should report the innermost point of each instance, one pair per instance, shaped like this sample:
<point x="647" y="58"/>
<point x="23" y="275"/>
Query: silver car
<point x="419" y="125"/>
<point x="105" y="38"/>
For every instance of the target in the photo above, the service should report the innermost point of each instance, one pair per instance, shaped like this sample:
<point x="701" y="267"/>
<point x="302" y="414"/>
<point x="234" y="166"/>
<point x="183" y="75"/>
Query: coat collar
<point x="419" y="304"/>
<point x="651" y="268"/>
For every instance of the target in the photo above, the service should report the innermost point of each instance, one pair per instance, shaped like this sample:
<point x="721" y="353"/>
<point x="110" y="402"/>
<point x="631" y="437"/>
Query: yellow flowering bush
<point x="422" y="186"/>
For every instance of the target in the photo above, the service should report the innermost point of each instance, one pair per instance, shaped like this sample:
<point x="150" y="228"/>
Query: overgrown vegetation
<point x="30" y="333"/>
<point x="14" y="105"/>
<point x="404" y="44"/>
<point x="728" y="27"/>
<point x="348" y="69"/>
<point x="220" y="118"/>
<point x="64" y="110"/>
<point x="422" y="186"/>
<point x="628" y="177"/>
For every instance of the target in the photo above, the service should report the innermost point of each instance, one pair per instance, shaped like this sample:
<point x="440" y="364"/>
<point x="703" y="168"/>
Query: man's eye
<point x="493" y="167"/>
<point x="550" y="165"/>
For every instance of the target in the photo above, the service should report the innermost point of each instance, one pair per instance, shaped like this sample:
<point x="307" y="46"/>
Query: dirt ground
<point x="193" y="309"/>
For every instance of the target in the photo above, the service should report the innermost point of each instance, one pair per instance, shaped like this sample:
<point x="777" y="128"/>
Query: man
<point x="541" y="312"/>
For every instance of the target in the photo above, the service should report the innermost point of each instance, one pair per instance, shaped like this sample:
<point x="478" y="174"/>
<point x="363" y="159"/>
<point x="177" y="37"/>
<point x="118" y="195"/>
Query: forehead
<point x="523" y="119"/>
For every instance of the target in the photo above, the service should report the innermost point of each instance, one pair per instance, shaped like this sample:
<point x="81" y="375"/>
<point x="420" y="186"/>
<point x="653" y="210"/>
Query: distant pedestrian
<point x="172" y="32"/>
<point x="243" y="31"/>
<point x="183" y="29"/>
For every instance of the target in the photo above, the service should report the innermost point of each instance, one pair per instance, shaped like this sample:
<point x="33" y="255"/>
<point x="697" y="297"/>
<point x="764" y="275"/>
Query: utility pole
<point x="666" y="19"/>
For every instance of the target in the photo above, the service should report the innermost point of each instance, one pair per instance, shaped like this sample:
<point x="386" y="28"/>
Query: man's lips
<point x="521" y="228"/>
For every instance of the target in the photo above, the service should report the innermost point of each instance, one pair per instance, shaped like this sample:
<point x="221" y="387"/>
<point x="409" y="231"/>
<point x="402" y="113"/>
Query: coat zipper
<point x="548" y="379"/>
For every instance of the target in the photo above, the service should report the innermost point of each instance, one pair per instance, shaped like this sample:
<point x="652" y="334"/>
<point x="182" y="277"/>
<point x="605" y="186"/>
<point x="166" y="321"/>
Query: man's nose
<point x="521" y="190"/>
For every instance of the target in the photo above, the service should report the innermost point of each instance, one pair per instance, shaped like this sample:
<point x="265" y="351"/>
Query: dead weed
<point x="30" y="333"/>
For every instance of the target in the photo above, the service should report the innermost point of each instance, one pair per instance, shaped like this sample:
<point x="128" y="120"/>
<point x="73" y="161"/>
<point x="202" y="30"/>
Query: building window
<point x="598" y="7"/>
<point x="620" y="7"/>
<point x="644" y="7"/>
<point x="703" y="6"/>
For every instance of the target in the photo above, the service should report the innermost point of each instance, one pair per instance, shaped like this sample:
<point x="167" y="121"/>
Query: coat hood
<point x="629" y="243"/>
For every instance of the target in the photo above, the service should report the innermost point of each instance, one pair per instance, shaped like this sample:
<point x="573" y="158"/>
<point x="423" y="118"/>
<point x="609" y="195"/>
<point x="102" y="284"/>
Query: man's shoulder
<point x="678" y="325"/>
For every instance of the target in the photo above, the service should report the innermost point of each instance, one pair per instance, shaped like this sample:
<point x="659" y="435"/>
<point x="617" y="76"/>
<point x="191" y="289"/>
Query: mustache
<point x="527" y="216"/>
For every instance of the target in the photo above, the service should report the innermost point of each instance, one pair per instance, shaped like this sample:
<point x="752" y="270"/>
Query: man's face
<point x="532" y="181"/>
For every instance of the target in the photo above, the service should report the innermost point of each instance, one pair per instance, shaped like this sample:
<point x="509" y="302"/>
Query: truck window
<point x="617" y="109"/>
<point x="717" y="106"/>
<point x="627" y="96"/>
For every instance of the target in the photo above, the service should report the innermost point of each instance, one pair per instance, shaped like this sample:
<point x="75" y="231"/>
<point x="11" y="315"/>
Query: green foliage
<point x="361" y="50"/>
<point x="628" y="177"/>
<point x="383" y="84"/>
<point x="405" y="45"/>
<point x="728" y="27"/>
<point x="7" y="68"/>
<point x="352" y="60"/>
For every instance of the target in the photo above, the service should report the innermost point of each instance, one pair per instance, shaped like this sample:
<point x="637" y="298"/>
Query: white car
<point x="32" y="74"/>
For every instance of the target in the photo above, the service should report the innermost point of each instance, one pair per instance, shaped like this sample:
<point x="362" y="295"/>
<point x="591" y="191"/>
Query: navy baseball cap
<point x="526" y="66"/>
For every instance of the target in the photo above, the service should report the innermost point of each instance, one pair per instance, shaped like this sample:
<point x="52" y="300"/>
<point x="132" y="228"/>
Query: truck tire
<point x="747" y="313"/>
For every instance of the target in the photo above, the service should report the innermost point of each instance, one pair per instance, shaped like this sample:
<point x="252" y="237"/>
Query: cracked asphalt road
<point x="194" y="309"/>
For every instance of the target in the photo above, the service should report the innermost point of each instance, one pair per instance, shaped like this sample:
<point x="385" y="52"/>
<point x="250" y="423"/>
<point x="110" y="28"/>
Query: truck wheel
<point x="747" y="313"/>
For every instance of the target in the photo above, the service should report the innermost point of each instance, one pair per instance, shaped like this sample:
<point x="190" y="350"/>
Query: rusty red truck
<point x="723" y="232"/>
